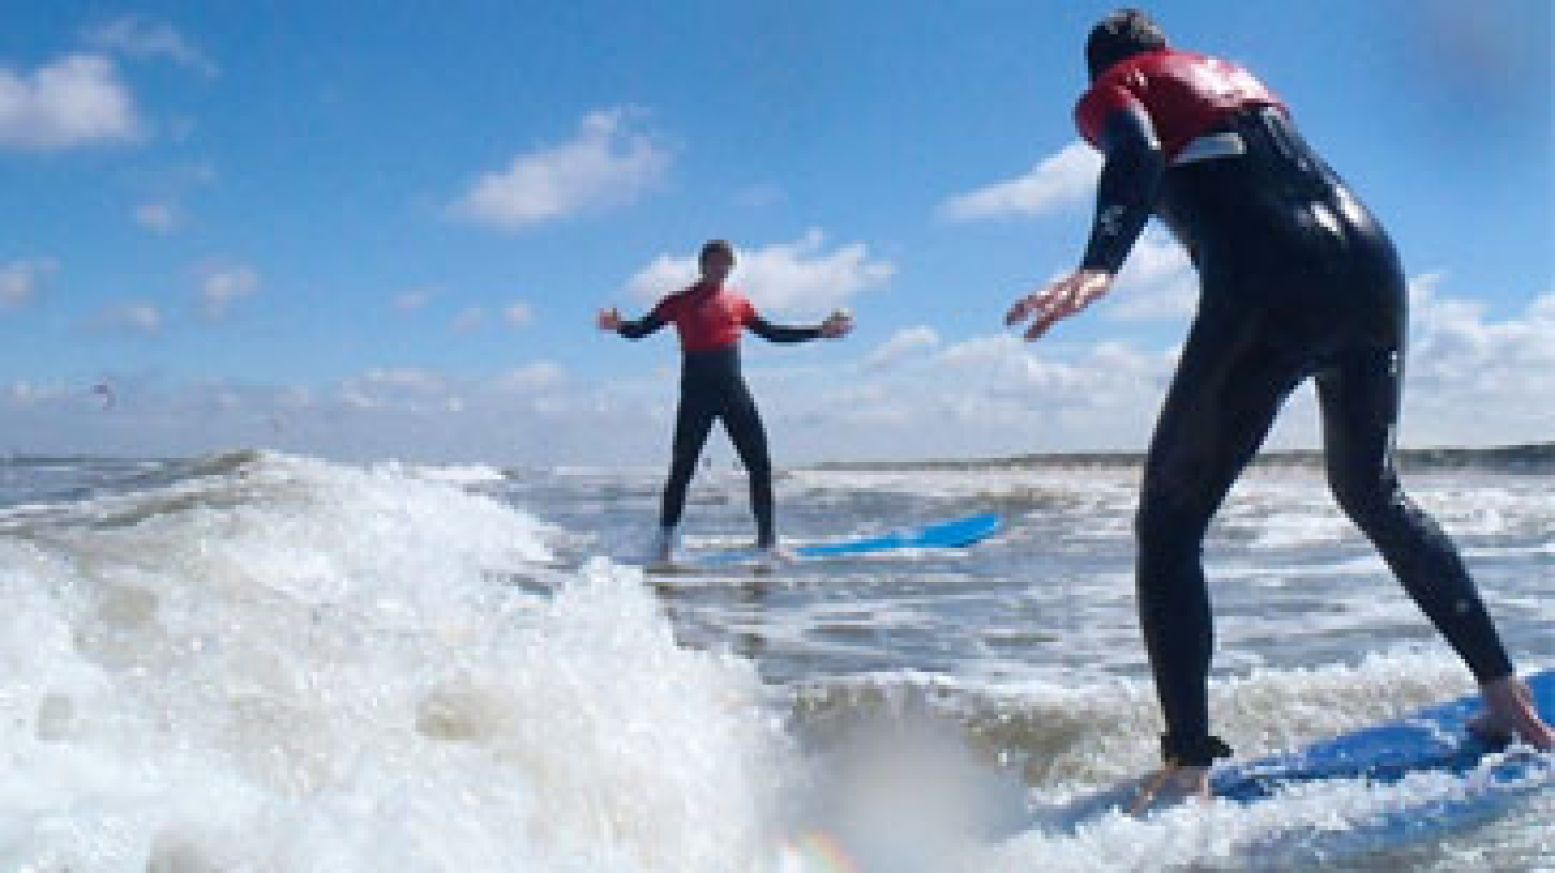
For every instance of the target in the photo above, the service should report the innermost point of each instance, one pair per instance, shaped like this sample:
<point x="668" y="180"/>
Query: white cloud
<point x="470" y="319"/>
<point x="1471" y="378"/>
<point x="761" y="196"/>
<point x="798" y="277"/>
<point x="134" y="317"/>
<point x="74" y="101"/>
<point x="1476" y="376"/>
<point x="518" y="314"/>
<point x="987" y="395"/>
<point x="1106" y="372"/>
<point x="406" y="389"/>
<point x="160" y="218"/>
<point x="609" y="163"/>
<point x="161" y="207"/>
<point x="20" y="281"/>
<point x="902" y="344"/>
<point x="1060" y="180"/>
<point x="136" y="37"/>
<point x="414" y="299"/>
<point x="533" y="377"/>
<point x="24" y="393"/>
<point x="222" y="286"/>
<point x="666" y="275"/>
<point x="1157" y="282"/>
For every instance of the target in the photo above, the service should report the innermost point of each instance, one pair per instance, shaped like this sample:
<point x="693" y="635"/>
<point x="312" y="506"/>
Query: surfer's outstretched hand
<point x="837" y="325"/>
<point x="1059" y="300"/>
<point x="609" y="319"/>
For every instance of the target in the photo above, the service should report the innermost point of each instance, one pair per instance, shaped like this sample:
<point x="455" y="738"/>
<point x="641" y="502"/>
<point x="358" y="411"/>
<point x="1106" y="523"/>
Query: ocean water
<point x="260" y="662"/>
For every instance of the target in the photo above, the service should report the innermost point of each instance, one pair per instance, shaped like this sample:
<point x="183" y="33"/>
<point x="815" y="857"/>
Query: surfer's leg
<point x="693" y="421"/>
<point x="1223" y="399"/>
<point x="1359" y="395"/>
<point x="743" y="424"/>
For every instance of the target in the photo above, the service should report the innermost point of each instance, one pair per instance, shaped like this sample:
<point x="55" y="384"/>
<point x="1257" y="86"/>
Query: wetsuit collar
<point x="1133" y="58"/>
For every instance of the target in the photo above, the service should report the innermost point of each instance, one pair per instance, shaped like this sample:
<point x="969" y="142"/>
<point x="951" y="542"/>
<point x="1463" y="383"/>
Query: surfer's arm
<point x="1126" y="190"/>
<point x="1125" y="193"/>
<point x="781" y="333"/>
<point x="641" y="327"/>
<point x="836" y="326"/>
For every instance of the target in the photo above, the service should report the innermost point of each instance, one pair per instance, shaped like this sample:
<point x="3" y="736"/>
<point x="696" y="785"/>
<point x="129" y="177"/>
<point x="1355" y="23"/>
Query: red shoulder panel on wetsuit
<point x="1185" y="95"/>
<point x="707" y="319"/>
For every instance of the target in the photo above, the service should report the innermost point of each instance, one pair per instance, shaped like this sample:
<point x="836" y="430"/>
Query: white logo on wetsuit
<point x="1110" y="219"/>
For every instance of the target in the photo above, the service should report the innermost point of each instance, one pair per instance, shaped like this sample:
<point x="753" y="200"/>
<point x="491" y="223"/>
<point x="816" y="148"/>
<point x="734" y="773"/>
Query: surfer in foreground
<point x="1296" y="279"/>
<point x="710" y="317"/>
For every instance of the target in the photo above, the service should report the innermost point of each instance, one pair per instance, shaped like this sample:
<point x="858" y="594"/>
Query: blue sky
<point x="385" y="233"/>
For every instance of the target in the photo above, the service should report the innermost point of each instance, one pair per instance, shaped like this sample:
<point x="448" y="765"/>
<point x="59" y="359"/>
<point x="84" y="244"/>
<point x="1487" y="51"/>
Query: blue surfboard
<point x="1433" y="740"/>
<point x="954" y="534"/>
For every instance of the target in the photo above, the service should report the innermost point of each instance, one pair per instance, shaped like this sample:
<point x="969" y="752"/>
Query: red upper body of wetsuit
<point x="1185" y="95"/>
<point x="707" y="318"/>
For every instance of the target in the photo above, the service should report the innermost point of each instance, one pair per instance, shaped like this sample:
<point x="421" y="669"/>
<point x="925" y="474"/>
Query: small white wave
<point x="295" y="665"/>
<point x="457" y="474"/>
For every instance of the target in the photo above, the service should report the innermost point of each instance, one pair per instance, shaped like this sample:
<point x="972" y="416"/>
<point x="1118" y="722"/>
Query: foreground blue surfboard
<point x="1434" y="740"/>
<point x="955" y="534"/>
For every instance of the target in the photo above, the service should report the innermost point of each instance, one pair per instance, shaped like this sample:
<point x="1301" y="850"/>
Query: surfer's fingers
<point x="1074" y="300"/>
<point x="1042" y="324"/>
<point x="1058" y="300"/>
<point x="1021" y="308"/>
<point x="1058" y="306"/>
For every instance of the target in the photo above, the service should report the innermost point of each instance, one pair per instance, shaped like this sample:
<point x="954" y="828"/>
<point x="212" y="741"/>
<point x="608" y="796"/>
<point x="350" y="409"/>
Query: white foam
<point x="293" y="665"/>
<point x="1101" y="732"/>
<point x="281" y="664"/>
<point x="458" y="474"/>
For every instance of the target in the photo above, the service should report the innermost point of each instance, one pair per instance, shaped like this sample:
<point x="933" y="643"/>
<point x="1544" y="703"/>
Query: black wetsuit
<point x="713" y="388"/>
<point x="1297" y="279"/>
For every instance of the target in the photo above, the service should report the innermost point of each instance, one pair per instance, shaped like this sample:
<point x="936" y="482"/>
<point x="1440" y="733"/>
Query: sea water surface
<point x="261" y="662"/>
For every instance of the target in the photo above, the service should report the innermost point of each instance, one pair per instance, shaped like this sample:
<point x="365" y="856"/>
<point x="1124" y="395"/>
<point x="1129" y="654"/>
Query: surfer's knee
<point x="759" y="469"/>
<point x="1373" y="502"/>
<point x="683" y="466"/>
<point x="1166" y="522"/>
<point x="754" y="456"/>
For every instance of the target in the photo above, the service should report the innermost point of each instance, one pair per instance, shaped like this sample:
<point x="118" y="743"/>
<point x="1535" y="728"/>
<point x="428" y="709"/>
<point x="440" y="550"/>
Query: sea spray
<point x="285" y="664"/>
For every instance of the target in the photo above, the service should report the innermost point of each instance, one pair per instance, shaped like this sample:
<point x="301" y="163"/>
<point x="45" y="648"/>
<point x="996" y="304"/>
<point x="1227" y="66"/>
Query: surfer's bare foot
<point x="1509" y="712"/>
<point x="1170" y="786"/>
<point x="661" y="553"/>
<point x="775" y="554"/>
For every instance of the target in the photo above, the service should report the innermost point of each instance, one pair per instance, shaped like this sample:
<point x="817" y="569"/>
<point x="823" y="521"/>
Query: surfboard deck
<point x="953" y="534"/>
<point x="1434" y="740"/>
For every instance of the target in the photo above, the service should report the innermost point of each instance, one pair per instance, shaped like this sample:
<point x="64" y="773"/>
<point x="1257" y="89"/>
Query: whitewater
<point x="265" y="662"/>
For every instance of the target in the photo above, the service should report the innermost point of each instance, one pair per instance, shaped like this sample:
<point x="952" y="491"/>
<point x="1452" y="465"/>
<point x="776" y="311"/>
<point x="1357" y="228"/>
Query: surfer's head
<point x="1120" y="36"/>
<point x="716" y="260"/>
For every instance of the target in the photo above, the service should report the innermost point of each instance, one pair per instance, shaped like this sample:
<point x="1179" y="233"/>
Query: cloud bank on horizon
<point x="914" y="395"/>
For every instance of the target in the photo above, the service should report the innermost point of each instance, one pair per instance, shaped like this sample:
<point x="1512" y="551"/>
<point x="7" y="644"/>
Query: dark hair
<point x="715" y="245"/>
<point x="1119" y="36"/>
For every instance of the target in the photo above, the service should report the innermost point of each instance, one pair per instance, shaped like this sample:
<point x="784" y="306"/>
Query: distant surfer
<point x="710" y="316"/>
<point x="105" y="391"/>
<point x="1297" y="280"/>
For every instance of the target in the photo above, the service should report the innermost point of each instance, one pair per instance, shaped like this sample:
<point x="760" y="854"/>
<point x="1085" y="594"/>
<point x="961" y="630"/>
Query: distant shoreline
<point x="1524" y="458"/>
